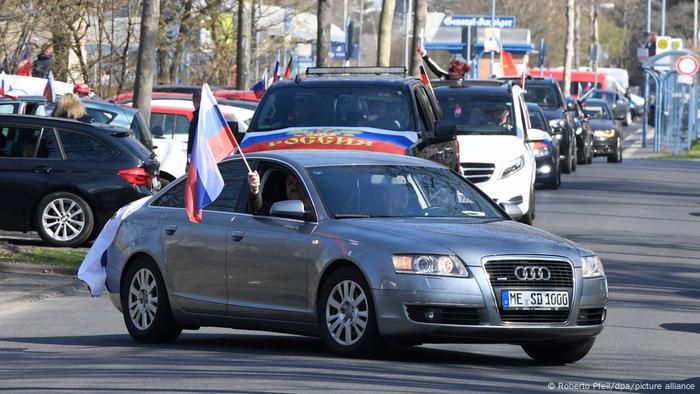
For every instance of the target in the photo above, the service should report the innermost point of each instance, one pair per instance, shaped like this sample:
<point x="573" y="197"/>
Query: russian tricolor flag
<point x="260" y="88"/>
<point x="48" y="90"/>
<point x="5" y="87"/>
<point x="213" y="141"/>
<point x="276" y="73"/>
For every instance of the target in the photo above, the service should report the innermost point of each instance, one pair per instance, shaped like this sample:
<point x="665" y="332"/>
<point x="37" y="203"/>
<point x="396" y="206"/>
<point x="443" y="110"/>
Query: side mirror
<point x="290" y="209"/>
<point x="535" y="135"/>
<point x="570" y="106"/>
<point x="445" y="129"/>
<point x="512" y="210"/>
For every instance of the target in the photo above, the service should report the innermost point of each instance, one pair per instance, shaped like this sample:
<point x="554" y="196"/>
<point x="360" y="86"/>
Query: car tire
<point x="559" y="352"/>
<point x="64" y="219"/>
<point x="589" y="157"/>
<point x="574" y="154"/>
<point x="145" y="304"/>
<point x="529" y="217"/>
<point x="617" y="156"/>
<point x="552" y="183"/>
<point x="567" y="165"/>
<point x="345" y="304"/>
<point x="627" y="120"/>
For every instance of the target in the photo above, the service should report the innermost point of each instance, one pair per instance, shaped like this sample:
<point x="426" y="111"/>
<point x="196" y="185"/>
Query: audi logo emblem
<point x="532" y="273"/>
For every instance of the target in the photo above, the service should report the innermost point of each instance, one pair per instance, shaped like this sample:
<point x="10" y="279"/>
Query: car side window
<point x="181" y="128"/>
<point x="157" y="129"/>
<point x="231" y="199"/>
<point x="82" y="147"/>
<point x="48" y="146"/>
<point x="19" y="141"/>
<point x="101" y="116"/>
<point x="173" y="197"/>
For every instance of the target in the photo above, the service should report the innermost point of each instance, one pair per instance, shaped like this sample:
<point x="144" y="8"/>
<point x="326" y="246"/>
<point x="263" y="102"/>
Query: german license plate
<point x="534" y="299"/>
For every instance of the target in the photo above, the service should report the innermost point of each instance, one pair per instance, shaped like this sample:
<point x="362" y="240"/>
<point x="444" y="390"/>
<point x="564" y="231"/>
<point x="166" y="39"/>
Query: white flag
<point x="93" y="270"/>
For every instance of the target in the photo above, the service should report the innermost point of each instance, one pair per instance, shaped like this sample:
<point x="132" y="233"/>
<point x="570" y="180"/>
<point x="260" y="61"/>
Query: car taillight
<point x="136" y="176"/>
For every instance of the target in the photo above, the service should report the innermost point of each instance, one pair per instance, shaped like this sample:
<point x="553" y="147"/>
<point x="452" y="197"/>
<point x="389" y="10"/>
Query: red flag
<point x="424" y="77"/>
<point x="509" y="69"/>
<point x="288" y="70"/>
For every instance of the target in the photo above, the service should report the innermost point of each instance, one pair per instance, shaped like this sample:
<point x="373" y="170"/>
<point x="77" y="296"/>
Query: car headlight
<point x="422" y="264"/>
<point x="513" y="167"/>
<point x="557" y="123"/>
<point x="605" y="133"/>
<point x="592" y="267"/>
<point x="541" y="149"/>
<point x="579" y="131"/>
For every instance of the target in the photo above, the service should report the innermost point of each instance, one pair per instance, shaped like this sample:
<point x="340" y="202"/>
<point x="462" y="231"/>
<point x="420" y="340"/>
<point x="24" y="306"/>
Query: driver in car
<point x="292" y="187"/>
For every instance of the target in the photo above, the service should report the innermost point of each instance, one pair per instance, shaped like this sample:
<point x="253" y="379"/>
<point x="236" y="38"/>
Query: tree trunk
<point x="60" y="40"/>
<point x="384" y="42"/>
<point x="323" y="33"/>
<point x="245" y="9"/>
<point x="577" y="34"/>
<point x="146" y="63"/>
<point x="594" y="34"/>
<point x="569" y="49"/>
<point x="419" y="18"/>
<point x="182" y="35"/>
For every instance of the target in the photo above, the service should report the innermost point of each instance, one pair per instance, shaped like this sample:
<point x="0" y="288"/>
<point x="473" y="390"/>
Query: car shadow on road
<point x="683" y="327"/>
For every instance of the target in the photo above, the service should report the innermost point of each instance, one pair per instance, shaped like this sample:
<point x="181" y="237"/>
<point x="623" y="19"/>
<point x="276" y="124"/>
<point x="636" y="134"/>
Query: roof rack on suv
<point x="462" y="83"/>
<point x="398" y="70"/>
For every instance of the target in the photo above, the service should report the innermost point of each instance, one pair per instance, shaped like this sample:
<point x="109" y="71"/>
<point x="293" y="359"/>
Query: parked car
<point x="546" y="151"/>
<point x="22" y="105"/>
<point x="65" y="178"/>
<point x="383" y="249"/>
<point x="619" y="104"/>
<point x="492" y="131"/>
<point x="359" y="108"/>
<point x="584" y="134"/>
<point x="607" y="138"/>
<point x="546" y="93"/>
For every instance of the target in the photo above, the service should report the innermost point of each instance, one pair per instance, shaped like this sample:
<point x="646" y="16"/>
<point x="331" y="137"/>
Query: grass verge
<point x="694" y="153"/>
<point x="42" y="255"/>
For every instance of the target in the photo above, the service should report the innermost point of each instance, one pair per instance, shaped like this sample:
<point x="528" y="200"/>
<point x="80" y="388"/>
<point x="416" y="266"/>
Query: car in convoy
<point x="376" y="109"/>
<point x="492" y="132"/>
<point x="620" y="105"/>
<point x="65" y="179"/>
<point x="607" y="139"/>
<point x="546" y="93"/>
<point x="374" y="249"/>
<point x="546" y="152"/>
<point x="22" y="105"/>
<point x="583" y="132"/>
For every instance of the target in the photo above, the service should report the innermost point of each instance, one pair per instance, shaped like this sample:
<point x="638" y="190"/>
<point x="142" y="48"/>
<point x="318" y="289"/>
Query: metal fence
<point x="675" y="114"/>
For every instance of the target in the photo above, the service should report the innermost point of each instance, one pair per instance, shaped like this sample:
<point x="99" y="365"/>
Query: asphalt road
<point x="642" y="216"/>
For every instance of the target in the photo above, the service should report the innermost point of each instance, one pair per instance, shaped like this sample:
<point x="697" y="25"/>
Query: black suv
<point x="65" y="178"/>
<point x="546" y="93"/>
<point x="358" y="108"/>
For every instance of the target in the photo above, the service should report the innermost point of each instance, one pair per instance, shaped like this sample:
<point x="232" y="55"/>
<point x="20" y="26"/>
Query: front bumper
<point x="604" y="146"/>
<point x="546" y="168"/>
<point x="476" y="294"/>
<point x="116" y="300"/>
<point x="514" y="189"/>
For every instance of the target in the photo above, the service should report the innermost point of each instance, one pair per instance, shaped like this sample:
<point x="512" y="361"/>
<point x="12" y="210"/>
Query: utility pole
<point x="146" y="62"/>
<point x="569" y="49"/>
<point x="245" y="12"/>
<point x="493" y="20"/>
<point x="663" y="17"/>
<point x="407" y="11"/>
<point x="384" y="42"/>
<point x="594" y="35"/>
<point x="695" y="26"/>
<point x="645" y="118"/>
<point x="577" y="34"/>
<point x="323" y="33"/>
<point x="419" y="18"/>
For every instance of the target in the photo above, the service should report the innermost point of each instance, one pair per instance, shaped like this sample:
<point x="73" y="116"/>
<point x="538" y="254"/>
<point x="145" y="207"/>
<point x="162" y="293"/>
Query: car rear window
<point x="79" y="146"/>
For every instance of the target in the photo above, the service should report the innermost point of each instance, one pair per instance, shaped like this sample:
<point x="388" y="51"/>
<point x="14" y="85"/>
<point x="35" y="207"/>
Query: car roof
<point x="475" y="89"/>
<point x="49" y="121"/>
<point x="347" y="80"/>
<point x="328" y="157"/>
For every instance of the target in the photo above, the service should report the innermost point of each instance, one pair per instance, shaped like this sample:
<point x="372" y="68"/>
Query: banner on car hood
<point x="349" y="138"/>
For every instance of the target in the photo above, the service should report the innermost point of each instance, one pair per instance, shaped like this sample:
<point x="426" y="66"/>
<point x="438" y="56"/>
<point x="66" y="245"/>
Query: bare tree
<point x="245" y="10"/>
<point x="384" y="41"/>
<point x="146" y="64"/>
<point x="323" y="33"/>
<point x="569" y="48"/>
<point x="577" y="34"/>
<point x="594" y="34"/>
<point x="419" y="18"/>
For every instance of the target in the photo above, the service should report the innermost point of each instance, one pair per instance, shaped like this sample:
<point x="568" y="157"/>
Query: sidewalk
<point x="632" y="143"/>
<point x="19" y="288"/>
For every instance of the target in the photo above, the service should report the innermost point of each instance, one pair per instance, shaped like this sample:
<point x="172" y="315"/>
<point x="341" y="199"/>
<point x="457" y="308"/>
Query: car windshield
<point x="537" y="120"/>
<point x="362" y="191"/>
<point x="597" y="112"/>
<point x="334" y="106"/>
<point x="543" y="95"/>
<point x="478" y="113"/>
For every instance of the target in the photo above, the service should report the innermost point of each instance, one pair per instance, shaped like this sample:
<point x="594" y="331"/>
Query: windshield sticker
<point x="330" y="138"/>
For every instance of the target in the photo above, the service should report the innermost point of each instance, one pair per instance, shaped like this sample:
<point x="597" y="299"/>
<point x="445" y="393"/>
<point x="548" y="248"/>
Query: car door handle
<point x="170" y="229"/>
<point x="237" y="235"/>
<point x="42" y="170"/>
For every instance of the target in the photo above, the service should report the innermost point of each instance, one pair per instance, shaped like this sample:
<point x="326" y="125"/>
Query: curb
<point x="37" y="269"/>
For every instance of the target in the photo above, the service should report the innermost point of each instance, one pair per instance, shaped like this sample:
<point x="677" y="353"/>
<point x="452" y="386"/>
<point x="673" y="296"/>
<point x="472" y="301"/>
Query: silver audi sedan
<point x="362" y="249"/>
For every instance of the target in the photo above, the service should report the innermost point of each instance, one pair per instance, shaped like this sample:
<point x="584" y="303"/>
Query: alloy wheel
<point x="347" y="312"/>
<point x="63" y="219"/>
<point x="143" y="299"/>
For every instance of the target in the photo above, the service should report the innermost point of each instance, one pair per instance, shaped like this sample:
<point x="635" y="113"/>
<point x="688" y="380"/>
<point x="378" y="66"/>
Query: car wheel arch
<point x="329" y="269"/>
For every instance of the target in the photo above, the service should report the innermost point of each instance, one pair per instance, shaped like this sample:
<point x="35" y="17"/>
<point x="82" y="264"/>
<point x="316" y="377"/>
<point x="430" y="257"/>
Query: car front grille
<point x="502" y="277"/>
<point x="478" y="172"/>
<point x="502" y="273"/>
<point x="444" y="314"/>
